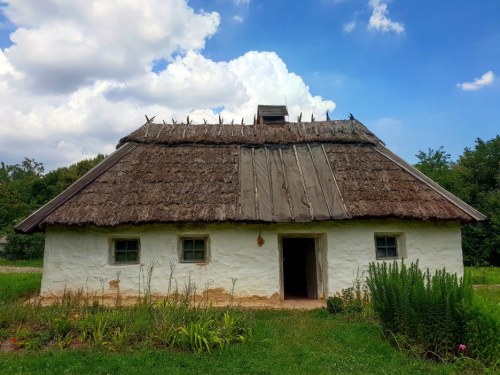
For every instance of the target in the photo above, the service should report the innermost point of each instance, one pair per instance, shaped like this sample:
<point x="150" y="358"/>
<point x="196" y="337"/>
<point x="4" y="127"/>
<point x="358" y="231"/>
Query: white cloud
<point x="79" y="76"/>
<point x="64" y="45"/>
<point x="485" y="80"/>
<point x="189" y="82"/>
<point x="195" y="82"/>
<point x="379" y="19"/>
<point x="238" y="19"/>
<point x="242" y="2"/>
<point x="349" y="27"/>
<point x="266" y="79"/>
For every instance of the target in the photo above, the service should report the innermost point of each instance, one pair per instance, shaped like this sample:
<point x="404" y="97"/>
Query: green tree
<point x="58" y="180"/>
<point x="434" y="163"/>
<point x="24" y="246"/>
<point x="17" y="193"/>
<point x="23" y="189"/>
<point x="475" y="178"/>
<point x="480" y="172"/>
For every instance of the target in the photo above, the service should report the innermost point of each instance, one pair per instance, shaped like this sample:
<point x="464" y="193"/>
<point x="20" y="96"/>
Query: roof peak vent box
<point x="267" y="114"/>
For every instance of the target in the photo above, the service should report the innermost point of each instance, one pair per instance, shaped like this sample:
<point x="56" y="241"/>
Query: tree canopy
<point x="475" y="178"/>
<point x="26" y="187"/>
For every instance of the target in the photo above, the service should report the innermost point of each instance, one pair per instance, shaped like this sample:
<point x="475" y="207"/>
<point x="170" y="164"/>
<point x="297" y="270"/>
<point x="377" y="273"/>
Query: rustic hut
<point x="288" y="210"/>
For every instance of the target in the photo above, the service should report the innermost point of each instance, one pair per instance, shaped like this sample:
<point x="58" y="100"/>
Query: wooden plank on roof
<point x="268" y="162"/>
<point x="283" y="210"/>
<point x="328" y="183"/>
<point x="303" y="180"/>
<point x="320" y="206"/>
<point x="299" y="202"/>
<point x="35" y="221"/>
<point x="263" y="185"/>
<point x="247" y="188"/>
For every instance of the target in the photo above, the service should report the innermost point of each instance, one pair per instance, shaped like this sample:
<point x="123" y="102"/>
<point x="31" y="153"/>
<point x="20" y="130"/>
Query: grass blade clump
<point x="76" y="321"/>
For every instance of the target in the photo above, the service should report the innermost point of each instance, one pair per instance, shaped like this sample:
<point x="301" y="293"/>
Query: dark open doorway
<point x="299" y="268"/>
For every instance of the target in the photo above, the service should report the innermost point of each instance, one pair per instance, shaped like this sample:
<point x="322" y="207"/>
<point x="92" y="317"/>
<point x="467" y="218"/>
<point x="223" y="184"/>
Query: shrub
<point x="431" y="315"/>
<point x="23" y="246"/>
<point x="335" y="305"/>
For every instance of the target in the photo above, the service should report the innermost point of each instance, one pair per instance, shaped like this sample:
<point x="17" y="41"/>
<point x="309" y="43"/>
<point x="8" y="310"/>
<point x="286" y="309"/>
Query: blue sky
<point x="419" y="74"/>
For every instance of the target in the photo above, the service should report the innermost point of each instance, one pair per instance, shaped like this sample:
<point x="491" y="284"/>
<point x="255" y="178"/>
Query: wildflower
<point x="462" y="348"/>
<point x="13" y="339"/>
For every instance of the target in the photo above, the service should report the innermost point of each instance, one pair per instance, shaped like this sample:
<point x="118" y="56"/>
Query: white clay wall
<point x="80" y="258"/>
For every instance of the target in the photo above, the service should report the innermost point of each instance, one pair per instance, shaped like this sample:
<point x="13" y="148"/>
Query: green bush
<point x="335" y="305"/>
<point x="350" y="301"/>
<point x="23" y="246"/>
<point x="431" y="315"/>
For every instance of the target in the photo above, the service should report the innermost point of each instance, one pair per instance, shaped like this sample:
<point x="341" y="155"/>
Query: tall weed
<point x="430" y="314"/>
<point x="352" y="300"/>
<point x="74" y="321"/>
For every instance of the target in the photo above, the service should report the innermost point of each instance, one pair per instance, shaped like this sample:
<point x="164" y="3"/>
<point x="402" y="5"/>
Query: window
<point x="194" y="249"/>
<point x="126" y="251"/>
<point x="386" y="246"/>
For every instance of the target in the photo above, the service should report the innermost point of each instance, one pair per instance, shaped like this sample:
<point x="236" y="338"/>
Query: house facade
<point x="256" y="214"/>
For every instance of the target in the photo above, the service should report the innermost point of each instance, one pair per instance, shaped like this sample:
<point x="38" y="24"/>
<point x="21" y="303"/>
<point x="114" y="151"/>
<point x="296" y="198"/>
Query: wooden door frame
<point x="320" y="246"/>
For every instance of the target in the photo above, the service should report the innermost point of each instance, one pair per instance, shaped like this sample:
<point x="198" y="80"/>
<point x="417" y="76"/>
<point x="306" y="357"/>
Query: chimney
<point x="269" y="114"/>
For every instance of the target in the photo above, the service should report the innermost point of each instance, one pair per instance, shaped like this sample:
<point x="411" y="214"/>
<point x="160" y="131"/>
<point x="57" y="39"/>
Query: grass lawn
<point x="21" y="263"/>
<point x="489" y="299"/>
<point x="283" y="342"/>
<point x="15" y="286"/>
<point x="484" y="275"/>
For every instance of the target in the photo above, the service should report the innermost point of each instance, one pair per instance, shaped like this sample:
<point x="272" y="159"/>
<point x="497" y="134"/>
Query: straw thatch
<point x="339" y="131"/>
<point x="260" y="173"/>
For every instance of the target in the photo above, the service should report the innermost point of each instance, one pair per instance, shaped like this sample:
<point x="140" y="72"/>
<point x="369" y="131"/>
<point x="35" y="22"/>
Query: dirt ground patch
<point x="11" y="269"/>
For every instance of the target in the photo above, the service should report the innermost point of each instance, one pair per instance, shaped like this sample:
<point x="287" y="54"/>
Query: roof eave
<point x="474" y="214"/>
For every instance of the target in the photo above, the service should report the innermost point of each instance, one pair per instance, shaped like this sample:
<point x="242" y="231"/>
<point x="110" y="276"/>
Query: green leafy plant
<point x="197" y="336"/>
<point x="430" y="315"/>
<point x="22" y="246"/>
<point x="352" y="300"/>
<point x="335" y="305"/>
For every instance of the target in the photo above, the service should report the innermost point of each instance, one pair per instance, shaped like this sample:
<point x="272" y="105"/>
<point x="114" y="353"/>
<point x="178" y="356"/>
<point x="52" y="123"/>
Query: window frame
<point x="399" y="240"/>
<point x="113" y="250"/>
<point x="206" y="249"/>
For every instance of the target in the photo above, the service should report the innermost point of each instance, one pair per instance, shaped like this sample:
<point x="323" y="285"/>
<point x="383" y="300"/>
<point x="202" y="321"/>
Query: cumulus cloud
<point x="379" y="19"/>
<point x="196" y="82"/>
<point x="79" y="76"/>
<point x="485" y="80"/>
<point x="64" y="45"/>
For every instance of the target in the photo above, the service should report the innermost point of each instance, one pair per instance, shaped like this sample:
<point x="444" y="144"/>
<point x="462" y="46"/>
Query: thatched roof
<point x="259" y="173"/>
<point x="338" y="131"/>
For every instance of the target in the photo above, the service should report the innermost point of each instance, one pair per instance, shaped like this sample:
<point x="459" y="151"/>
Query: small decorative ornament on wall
<point x="260" y="240"/>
